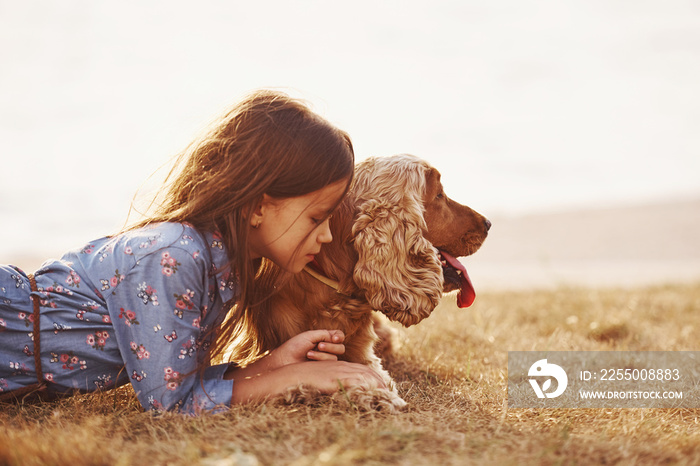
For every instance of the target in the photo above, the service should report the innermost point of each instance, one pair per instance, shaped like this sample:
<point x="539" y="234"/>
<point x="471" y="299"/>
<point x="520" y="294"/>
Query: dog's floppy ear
<point x="398" y="269"/>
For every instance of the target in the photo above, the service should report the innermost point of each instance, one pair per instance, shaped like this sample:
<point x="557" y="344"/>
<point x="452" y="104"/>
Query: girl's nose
<point x="325" y="235"/>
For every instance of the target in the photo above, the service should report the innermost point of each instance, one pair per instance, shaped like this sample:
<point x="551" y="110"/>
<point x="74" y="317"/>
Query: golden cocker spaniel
<point x="396" y="237"/>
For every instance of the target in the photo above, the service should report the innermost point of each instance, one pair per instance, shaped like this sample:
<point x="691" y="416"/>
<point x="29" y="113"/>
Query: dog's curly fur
<point x="384" y="256"/>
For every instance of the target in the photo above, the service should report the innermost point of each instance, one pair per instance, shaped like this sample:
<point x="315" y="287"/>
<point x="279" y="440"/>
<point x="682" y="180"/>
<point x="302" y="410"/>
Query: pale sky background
<point x="525" y="106"/>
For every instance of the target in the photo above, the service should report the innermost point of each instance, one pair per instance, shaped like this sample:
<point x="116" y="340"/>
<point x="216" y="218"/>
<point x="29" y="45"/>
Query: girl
<point x="149" y="305"/>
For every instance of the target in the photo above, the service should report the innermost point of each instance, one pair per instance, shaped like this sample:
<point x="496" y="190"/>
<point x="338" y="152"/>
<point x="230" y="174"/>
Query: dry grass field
<point x="451" y="369"/>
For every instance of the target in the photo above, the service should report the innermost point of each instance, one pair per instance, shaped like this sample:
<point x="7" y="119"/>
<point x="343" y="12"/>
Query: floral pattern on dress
<point x="130" y="308"/>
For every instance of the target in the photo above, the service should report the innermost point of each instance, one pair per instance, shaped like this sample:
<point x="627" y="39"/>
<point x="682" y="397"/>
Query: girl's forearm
<point x="325" y="376"/>
<point x="247" y="380"/>
<point x="262" y="365"/>
<point x="255" y="385"/>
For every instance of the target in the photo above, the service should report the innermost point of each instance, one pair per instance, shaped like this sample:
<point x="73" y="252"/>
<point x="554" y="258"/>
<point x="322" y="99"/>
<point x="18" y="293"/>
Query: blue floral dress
<point x="135" y="307"/>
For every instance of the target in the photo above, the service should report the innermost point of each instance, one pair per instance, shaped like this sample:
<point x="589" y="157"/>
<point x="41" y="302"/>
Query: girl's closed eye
<point x="319" y="220"/>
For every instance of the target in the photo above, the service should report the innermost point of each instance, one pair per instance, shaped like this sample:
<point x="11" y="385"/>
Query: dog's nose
<point x="487" y="223"/>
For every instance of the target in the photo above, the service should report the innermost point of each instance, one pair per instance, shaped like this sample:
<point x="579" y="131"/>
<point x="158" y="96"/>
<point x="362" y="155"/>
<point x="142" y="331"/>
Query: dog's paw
<point x="363" y="399"/>
<point x="302" y="394"/>
<point x="374" y="399"/>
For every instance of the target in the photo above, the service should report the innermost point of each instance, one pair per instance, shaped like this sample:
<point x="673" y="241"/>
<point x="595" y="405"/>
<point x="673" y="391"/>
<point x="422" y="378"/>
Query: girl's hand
<point x="314" y="345"/>
<point x="328" y="376"/>
<point x="310" y="358"/>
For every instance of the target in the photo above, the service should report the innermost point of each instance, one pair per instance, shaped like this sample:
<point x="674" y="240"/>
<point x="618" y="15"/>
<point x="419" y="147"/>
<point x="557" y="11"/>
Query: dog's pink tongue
<point x="466" y="294"/>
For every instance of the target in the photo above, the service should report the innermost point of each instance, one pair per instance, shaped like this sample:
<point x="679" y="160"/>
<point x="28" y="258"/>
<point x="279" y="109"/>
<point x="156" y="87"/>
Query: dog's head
<point x="407" y="234"/>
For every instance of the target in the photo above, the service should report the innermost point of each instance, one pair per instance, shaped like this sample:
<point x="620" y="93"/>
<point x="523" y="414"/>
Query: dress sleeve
<point x="156" y="309"/>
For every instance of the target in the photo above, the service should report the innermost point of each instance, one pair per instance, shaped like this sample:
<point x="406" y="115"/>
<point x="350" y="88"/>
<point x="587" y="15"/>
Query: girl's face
<point x="290" y="231"/>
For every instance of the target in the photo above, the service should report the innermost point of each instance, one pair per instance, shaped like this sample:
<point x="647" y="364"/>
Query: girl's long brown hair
<point x="268" y="143"/>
